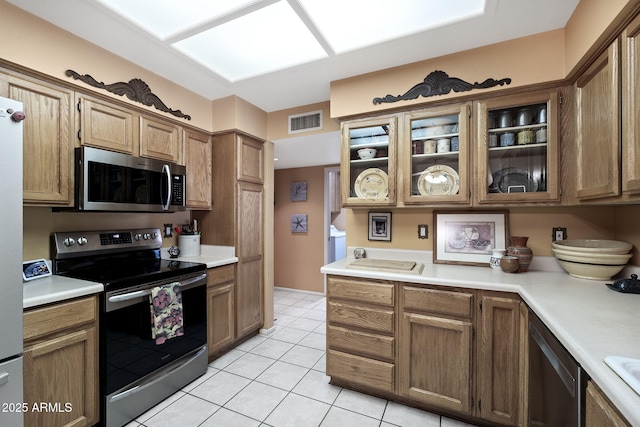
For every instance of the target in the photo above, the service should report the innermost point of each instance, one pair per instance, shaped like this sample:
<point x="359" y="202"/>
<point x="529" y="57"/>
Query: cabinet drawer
<point x="43" y="321"/>
<point x="363" y="291"/>
<point x="360" y="370"/>
<point x="373" y="318"/>
<point x="219" y="275"/>
<point x="437" y="301"/>
<point x="372" y="345"/>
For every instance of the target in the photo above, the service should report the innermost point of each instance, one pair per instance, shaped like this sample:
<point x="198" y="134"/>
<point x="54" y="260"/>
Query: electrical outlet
<point x="423" y="231"/>
<point x="559" y="233"/>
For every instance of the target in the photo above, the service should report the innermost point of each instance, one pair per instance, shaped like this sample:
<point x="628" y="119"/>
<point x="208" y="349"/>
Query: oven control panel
<point x="80" y="243"/>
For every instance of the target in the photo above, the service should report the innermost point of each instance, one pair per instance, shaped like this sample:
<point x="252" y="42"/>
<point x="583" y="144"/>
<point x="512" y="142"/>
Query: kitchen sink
<point x="388" y="266"/>
<point x="628" y="369"/>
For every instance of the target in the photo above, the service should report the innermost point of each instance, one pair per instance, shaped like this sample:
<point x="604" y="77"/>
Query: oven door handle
<point x="146" y="292"/>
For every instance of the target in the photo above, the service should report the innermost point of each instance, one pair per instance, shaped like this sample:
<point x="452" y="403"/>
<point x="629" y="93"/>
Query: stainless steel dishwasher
<point x="556" y="381"/>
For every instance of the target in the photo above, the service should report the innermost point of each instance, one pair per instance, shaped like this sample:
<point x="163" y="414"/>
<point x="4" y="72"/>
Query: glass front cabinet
<point x="434" y="156"/>
<point x="517" y="157"/>
<point x="368" y="162"/>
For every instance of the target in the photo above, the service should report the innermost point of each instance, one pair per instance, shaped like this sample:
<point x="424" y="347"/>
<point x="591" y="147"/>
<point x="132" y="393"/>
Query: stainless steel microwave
<point x="110" y="181"/>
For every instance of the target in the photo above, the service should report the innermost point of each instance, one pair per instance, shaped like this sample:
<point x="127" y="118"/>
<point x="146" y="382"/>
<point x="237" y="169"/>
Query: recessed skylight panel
<point x="163" y="18"/>
<point x="352" y="24"/>
<point x="267" y="40"/>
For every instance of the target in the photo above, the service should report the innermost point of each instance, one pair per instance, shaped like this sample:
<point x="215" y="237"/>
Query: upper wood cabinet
<point x="369" y="180"/>
<point x="250" y="160"/>
<point x="48" y="139"/>
<point x="518" y="149"/>
<point x="197" y="159"/>
<point x="434" y="152"/>
<point x="597" y="139"/>
<point x="631" y="108"/>
<point x="106" y="126"/>
<point x="160" y="140"/>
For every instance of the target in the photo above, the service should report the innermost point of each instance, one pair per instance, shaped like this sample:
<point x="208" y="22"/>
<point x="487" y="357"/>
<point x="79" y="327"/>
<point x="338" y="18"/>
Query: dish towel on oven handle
<point x="166" y="312"/>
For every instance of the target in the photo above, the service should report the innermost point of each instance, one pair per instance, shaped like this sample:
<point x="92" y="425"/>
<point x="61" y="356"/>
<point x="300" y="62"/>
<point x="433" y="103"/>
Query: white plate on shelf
<point x="372" y="183"/>
<point x="439" y="180"/>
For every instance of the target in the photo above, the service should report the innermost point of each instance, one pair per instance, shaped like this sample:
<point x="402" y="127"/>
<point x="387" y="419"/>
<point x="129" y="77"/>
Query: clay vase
<point x="520" y="250"/>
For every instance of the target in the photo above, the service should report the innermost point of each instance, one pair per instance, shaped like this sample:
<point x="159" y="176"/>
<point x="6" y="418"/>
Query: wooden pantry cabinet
<point x="48" y="139"/>
<point x="221" y="311"/>
<point x="236" y="219"/>
<point x="452" y="350"/>
<point x="61" y="363"/>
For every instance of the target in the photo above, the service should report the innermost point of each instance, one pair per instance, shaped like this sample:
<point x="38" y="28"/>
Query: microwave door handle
<point x="166" y="171"/>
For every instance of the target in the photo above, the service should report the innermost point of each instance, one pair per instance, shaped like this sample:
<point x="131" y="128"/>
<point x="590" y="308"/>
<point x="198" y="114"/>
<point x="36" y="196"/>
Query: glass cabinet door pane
<point x="368" y="162"/>
<point x="517" y="144"/>
<point x="435" y="158"/>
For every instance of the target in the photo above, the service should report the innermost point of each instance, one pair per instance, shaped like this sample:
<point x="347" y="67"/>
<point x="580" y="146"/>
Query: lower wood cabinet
<point x="61" y="364"/>
<point x="221" y="311"/>
<point x="599" y="412"/>
<point x="452" y="350"/>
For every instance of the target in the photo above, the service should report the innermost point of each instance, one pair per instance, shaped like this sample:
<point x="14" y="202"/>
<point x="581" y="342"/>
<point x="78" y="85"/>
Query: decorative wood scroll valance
<point x="136" y="90"/>
<point x="439" y="83"/>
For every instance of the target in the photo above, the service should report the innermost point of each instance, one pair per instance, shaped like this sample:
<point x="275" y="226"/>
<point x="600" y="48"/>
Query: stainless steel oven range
<point x="148" y="351"/>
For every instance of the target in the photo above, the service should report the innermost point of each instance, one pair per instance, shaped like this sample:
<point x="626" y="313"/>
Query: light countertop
<point x="588" y="318"/>
<point x="54" y="288"/>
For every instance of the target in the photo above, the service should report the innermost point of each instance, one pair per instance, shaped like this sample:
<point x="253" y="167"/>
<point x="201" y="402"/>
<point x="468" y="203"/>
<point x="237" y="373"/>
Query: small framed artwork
<point x="299" y="223"/>
<point x="468" y="237"/>
<point x="380" y="226"/>
<point x="298" y="191"/>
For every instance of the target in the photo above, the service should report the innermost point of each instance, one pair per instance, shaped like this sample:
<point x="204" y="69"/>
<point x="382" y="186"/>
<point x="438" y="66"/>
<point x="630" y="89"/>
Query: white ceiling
<point x="191" y="43"/>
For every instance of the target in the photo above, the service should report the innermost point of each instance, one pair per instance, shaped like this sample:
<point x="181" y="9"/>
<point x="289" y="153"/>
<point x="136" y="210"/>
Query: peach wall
<point x="299" y="256"/>
<point x="41" y="46"/>
<point x="590" y="19"/>
<point x="234" y="113"/>
<point x="535" y="59"/>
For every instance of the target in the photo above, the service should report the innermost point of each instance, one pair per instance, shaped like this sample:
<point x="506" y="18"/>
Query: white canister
<point x="443" y="145"/>
<point x="429" y="146"/>
<point x="496" y="254"/>
<point x="189" y="245"/>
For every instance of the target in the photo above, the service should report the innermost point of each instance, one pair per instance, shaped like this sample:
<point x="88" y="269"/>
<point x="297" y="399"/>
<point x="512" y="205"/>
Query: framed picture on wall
<point x="298" y="191"/>
<point x="299" y="223"/>
<point x="468" y="238"/>
<point x="380" y="226"/>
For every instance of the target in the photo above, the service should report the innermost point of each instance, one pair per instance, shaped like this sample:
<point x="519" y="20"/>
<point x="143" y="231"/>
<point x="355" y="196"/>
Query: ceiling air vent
<point x="305" y="122"/>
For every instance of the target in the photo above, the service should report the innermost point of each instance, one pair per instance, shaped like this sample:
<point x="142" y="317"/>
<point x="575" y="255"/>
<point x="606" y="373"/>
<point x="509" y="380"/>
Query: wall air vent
<point x="305" y="122"/>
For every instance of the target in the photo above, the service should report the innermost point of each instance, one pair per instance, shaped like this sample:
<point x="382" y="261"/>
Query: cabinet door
<point x="599" y="412"/>
<point x="597" y="128"/>
<point x="518" y="149"/>
<point x="48" y="140"/>
<point x="369" y="179"/>
<point x="435" y="361"/>
<point x="221" y="314"/>
<point x="250" y="162"/>
<point x="249" y="284"/>
<point x="499" y="351"/>
<point x="61" y="373"/>
<point x="160" y="140"/>
<point x="631" y="108"/>
<point x="197" y="159"/>
<point x="105" y="126"/>
<point x="434" y="152"/>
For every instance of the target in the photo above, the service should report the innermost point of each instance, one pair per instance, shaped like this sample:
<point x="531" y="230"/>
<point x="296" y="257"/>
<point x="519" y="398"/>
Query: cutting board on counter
<point x="389" y="266"/>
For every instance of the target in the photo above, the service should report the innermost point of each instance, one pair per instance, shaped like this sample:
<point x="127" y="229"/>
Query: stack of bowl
<point x="592" y="258"/>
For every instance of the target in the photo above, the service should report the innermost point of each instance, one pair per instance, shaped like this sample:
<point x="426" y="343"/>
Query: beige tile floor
<point x="279" y="381"/>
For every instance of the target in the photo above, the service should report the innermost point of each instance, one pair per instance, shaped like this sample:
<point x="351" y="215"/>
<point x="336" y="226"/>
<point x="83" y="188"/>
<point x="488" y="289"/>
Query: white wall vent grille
<point x="305" y="122"/>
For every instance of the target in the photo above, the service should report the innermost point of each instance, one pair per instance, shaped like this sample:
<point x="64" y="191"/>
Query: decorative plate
<point x="514" y="180"/>
<point x="439" y="180"/>
<point x="372" y="183"/>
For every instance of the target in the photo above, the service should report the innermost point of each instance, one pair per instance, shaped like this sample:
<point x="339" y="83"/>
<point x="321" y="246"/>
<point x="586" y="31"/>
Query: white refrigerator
<point x="11" y="385"/>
